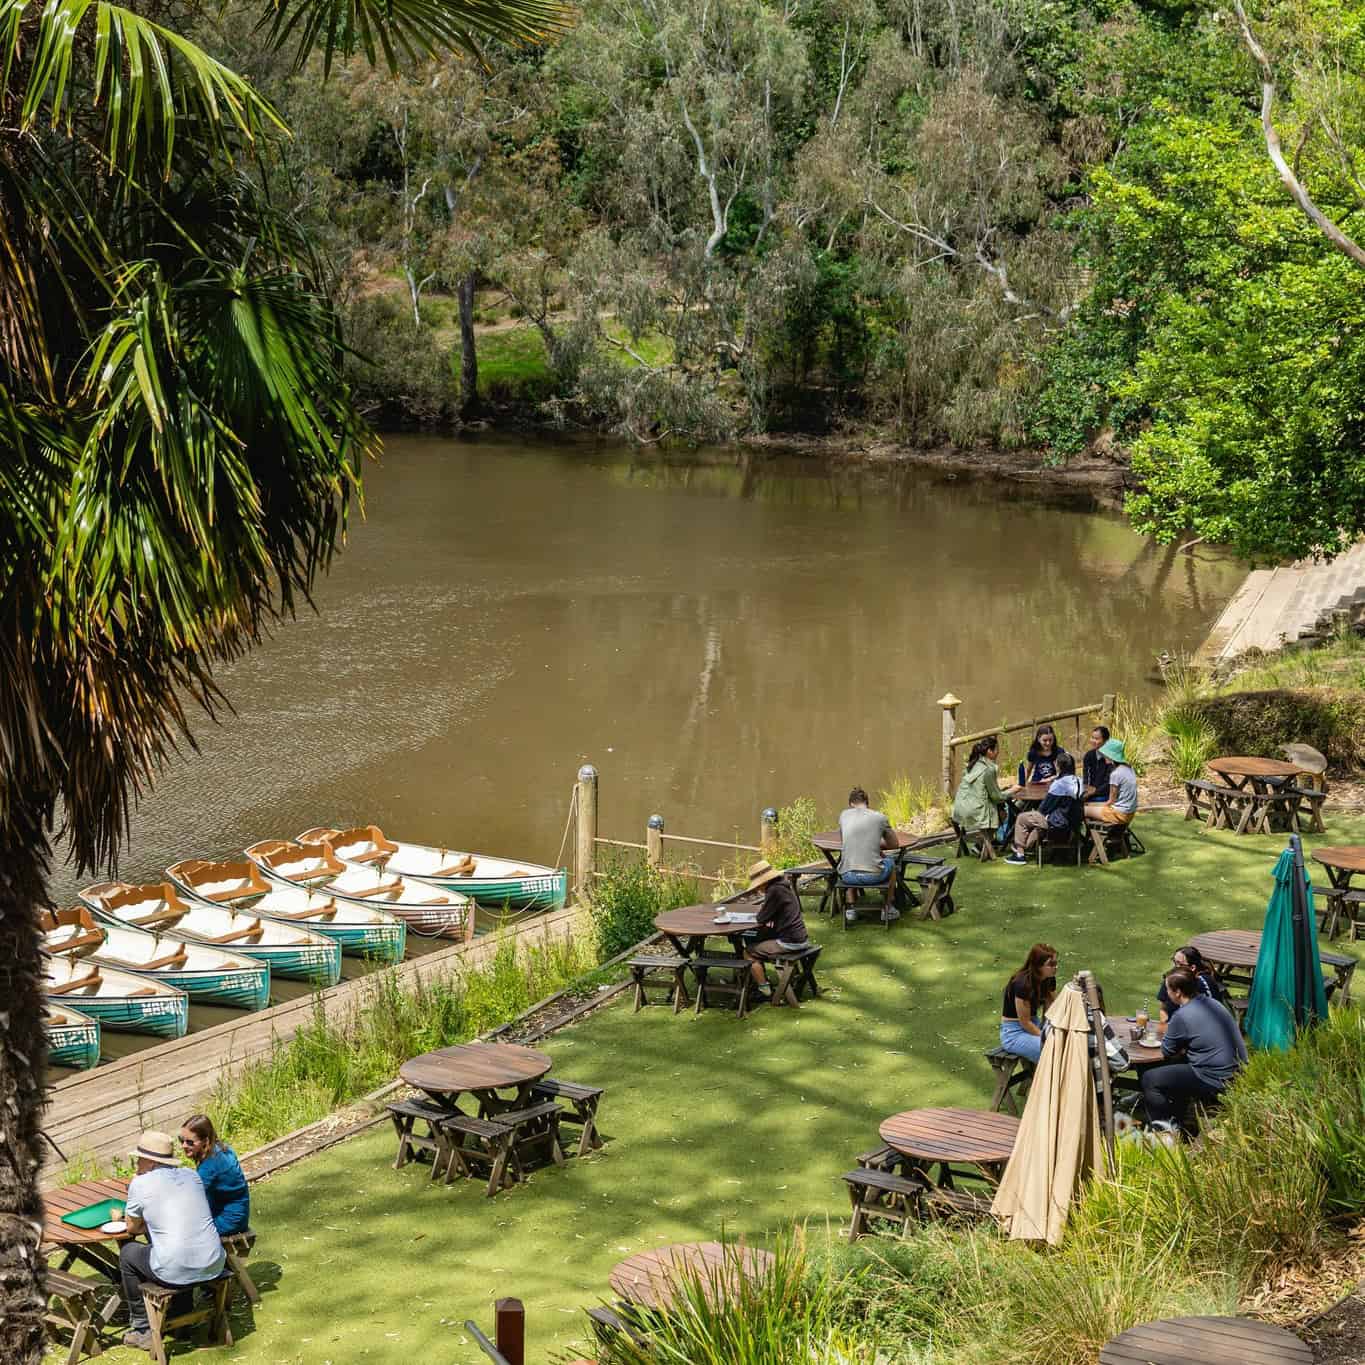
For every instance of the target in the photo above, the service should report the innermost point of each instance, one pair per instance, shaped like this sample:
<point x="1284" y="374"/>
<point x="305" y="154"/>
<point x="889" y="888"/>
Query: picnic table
<point x="90" y="1245"/>
<point x="1234" y="952"/>
<point x="689" y="926"/>
<point x="1264" y="777"/>
<point x="953" y="1139"/>
<point x="649" y="1279"/>
<point x="1213" y="1341"/>
<point x="1342" y="863"/>
<point x="1030" y="795"/>
<point x="831" y="844"/>
<point x="480" y="1070"/>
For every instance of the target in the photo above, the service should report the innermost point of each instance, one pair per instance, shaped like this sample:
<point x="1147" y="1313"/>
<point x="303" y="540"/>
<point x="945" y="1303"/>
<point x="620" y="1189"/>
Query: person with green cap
<point x="1122" y="802"/>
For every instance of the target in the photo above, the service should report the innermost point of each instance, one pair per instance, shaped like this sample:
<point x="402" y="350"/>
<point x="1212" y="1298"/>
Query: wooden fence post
<point x="509" y="1330"/>
<point x="586" y="863"/>
<point x="767" y="832"/>
<point x="949" y="703"/>
<point x="654" y="840"/>
<point x="1107" y="709"/>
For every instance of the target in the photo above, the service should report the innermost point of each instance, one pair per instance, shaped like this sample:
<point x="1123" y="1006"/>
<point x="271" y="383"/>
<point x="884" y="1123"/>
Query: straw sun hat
<point x="761" y="873"/>
<point x="154" y="1146"/>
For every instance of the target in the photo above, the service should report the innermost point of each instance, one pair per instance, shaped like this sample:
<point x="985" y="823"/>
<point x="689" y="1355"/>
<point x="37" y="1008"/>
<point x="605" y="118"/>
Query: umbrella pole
<point x="1086" y="981"/>
<point x="1305" y="934"/>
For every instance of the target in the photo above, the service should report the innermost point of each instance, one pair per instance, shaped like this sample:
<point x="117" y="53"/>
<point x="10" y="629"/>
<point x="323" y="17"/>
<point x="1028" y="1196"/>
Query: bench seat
<point x="882" y="1194"/>
<point x="583" y="1098"/>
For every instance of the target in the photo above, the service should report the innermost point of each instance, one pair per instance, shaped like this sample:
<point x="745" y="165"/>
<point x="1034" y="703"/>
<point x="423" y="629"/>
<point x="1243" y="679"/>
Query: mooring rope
<point x="568" y="824"/>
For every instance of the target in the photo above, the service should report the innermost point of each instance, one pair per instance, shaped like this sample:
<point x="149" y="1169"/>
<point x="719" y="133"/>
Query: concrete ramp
<point x="1292" y="604"/>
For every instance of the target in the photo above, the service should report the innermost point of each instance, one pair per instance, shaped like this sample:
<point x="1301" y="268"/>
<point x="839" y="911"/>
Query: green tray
<point x="96" y="1215"/>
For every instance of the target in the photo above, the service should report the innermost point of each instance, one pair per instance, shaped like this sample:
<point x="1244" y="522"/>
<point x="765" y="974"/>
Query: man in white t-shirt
<point x="166" y="1201"/>
<point x="866" y="835"/>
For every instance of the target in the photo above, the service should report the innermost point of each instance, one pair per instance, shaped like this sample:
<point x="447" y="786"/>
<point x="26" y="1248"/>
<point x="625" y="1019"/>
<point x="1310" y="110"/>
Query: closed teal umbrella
<point x="1287" y="992"/>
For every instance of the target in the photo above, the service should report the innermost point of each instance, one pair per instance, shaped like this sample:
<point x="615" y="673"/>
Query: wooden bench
<point x="238" y="1246"/>
<point x="406" y="1114"/>
<point x="884" y="1158"/>
<point x="1214" y="1341"/>
<point x="647" y="967"/>
<point x="1206" y="801"/>
<point x="738" y="986"/>
<point x="955" y="1205"/>
<point x="882" y="1194"/>
<point x="484" y="1143"/>
<point x="796" y="974"/>
<point x="534" y="1125"/>
<point x="821" y="872"/>
<point x="981" y="842"/>
<point x="157" y="1300"/>
<point x="583" y="1098"/>
<point x="81" y="1307"/>
<point x="1121" y="838"/>
<point x="937" y="885"/>
<point x="1313" y="799"/>
<point x="1011" y="1073"/>
<point x="1339" y="904"/>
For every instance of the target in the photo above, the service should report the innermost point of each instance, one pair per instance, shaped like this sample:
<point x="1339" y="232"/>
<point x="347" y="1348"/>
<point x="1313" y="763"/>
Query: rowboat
<point x="494" y="882"/>
<point x="362" y="930"/>
<point x="73" y="1038"/>
<point x="119" y="1000"/>
<point x="204" y="974"/>
<point x="426" y="909"/>
<point x="295" y="953"/>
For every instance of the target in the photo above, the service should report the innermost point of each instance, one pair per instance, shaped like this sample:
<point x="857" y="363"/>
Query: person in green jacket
<point x="979" y="798"/>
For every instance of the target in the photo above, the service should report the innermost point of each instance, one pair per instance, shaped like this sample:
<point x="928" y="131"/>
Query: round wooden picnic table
<point x="1139" y="1054"/>
<point x="650" y="1278"/>
<point x="480" y="1069"/>
<point x="1212" y="1341"/>
<point x="1237" y="950"/>
<point x="949" y="1137"/>
<point x="831" y="844"/>
<point x="689" y="926"/>
<point x="1241" y="769"/>
<point x="1342" y="862"/>
<point x="95" y="1248"/>
<point x="1031" y="794"/>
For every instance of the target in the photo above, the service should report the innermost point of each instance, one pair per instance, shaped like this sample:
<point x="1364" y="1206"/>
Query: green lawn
<point x="718" y="1126"/>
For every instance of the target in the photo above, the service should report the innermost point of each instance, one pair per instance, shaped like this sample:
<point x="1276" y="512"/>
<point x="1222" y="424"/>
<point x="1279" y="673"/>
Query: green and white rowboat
<point x="362" y="930"/>
<point x="119" y="1000"/>
<point x="73" y="1038"/>
<point x="424" y="908"/>
<point x="289" y="952"/>
<point x="204" y="974"/>
<point x="495" y="882"/>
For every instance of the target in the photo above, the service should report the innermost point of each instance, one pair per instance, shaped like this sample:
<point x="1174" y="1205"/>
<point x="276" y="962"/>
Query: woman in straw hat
<point x="781" y="927"/>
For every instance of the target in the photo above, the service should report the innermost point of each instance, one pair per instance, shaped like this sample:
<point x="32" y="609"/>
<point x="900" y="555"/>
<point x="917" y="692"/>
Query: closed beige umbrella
<point x="1059" y="1134"/>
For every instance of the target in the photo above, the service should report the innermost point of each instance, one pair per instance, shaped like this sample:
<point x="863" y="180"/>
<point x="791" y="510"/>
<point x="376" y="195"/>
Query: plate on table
<point x="118" y="1225"/>
<point x="1153" y="1041"/>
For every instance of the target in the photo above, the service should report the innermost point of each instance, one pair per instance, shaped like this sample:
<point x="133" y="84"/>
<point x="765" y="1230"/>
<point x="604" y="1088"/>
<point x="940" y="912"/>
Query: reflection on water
<point x="716" y="636"/>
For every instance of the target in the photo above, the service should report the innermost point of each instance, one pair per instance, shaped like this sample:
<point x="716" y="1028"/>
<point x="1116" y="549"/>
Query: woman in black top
<point x="1027" y="995"/>
<point x="1096" y="768"/>
<point x="1190" y="960"/>
<point x="1041" y="764"/>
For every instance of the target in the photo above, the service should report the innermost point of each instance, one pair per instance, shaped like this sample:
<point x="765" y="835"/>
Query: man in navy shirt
<point x="1206" y="1050"/>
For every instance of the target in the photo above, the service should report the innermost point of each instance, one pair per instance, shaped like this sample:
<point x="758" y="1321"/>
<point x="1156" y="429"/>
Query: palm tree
<point x="178" y="448"/>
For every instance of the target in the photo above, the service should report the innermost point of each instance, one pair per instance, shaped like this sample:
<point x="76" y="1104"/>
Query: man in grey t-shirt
<point x="865" y="835"/>
<point x="1205" y="1047"/>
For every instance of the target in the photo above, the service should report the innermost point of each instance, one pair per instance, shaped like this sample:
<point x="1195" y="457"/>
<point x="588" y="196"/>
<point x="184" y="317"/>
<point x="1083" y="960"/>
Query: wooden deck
<point x="101" y="1112"/>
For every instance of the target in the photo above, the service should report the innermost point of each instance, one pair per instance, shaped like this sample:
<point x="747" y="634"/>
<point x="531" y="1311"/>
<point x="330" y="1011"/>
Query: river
<point x="715" y="633"/>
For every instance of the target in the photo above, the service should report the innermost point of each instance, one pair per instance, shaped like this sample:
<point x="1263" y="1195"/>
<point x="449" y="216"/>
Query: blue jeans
<point x="870" y="878"/>
<point x="1015" y="1038"/>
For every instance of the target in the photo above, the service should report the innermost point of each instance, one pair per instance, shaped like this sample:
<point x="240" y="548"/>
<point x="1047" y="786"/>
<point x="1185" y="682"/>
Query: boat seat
<point x="466" y="867"/>
<point x="255" y="930"/>
<point x="91" y="979"/>
<point x="175" y="959"/>
<point x="327" y="911"/>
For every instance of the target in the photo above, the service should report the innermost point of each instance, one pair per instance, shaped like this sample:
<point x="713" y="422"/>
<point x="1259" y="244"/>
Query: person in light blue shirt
<point x="221" y="1172"/>
<point x="167" y="1202"/>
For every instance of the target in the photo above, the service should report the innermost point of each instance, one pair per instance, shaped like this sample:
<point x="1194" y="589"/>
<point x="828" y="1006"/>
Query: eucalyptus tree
<point x="178" y="446"/>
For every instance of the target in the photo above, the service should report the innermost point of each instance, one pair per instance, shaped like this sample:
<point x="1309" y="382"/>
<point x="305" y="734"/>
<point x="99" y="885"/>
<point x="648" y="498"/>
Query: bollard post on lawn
<point x="949" y="703"/>
<point x="654" y="841"/>
<point x="509" y="1330"/>
<point x="1107" y="708"/>
<point x="586" y="861"/>
<point x="767" y="832"/>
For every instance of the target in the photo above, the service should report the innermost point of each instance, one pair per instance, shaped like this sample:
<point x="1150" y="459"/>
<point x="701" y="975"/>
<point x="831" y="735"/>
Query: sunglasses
<point x="189" y="1142"/>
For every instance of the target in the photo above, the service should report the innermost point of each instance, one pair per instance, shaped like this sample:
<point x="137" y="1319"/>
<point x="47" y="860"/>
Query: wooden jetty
<point x="100" y="1113"/>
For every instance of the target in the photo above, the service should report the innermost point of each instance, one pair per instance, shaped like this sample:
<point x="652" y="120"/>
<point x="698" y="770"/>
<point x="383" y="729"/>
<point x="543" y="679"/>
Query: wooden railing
<point x="952" y="741"/>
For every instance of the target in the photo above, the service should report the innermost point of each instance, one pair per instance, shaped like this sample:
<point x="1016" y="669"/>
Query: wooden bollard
<point x="509" y="1330"/>
<point x="949" y="703"/>
<point x="767" y="832"/>
<point x="654" y="841"/>
<point x="586" y="862"/>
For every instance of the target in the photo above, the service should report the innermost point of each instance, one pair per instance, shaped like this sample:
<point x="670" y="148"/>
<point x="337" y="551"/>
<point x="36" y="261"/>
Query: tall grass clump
<point x="329" y="1063"/>
<point x="1193" y="741"/>
<point x="917" y="806"/>
<point x="726" y="1318"/>
<point x="626" y="895"/>
<point x="796" y="823"/>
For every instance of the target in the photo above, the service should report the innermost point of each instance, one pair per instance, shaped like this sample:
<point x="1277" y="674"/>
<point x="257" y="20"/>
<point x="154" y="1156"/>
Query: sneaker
<point x="890" y="914"/>
<point x="850" y="915"/>
<point x="761" y="995"/>
<point x="1016" y="859"/>
<point x="139" y="1341"/>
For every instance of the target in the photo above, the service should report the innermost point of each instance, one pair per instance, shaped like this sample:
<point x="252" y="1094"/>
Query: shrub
<point x="1258" y="723"/>
<point x="795" y="825"/>
<point x="400" y="370"/>
<point x="1193" y="741"/>
<point x="917" y="806"/>
<point x="625" y="897"/>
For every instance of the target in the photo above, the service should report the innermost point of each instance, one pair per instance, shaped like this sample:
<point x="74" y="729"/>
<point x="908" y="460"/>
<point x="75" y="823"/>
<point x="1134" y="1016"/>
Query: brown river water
<point x="716" y="633"/>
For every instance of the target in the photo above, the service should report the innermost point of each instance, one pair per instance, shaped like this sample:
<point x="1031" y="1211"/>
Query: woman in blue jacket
<point x="221" y="1172"/>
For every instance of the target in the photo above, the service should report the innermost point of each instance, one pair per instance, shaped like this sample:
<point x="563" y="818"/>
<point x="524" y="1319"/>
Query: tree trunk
<point x="469" y="356"/>
<point x="23" y="1064"/>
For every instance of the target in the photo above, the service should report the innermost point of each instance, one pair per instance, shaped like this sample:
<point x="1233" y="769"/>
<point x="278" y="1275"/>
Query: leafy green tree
<point x="178" y="446"/>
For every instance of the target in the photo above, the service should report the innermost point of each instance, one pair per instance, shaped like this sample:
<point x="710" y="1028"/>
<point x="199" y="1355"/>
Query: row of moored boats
<point x="132" y="956"/>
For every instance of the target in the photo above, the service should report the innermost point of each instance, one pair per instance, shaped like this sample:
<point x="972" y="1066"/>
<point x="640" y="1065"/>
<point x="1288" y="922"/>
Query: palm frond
<point x="407" y="30"/>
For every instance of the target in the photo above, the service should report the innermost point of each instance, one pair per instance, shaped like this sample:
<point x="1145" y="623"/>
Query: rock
<point x="1306" y="756"/>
